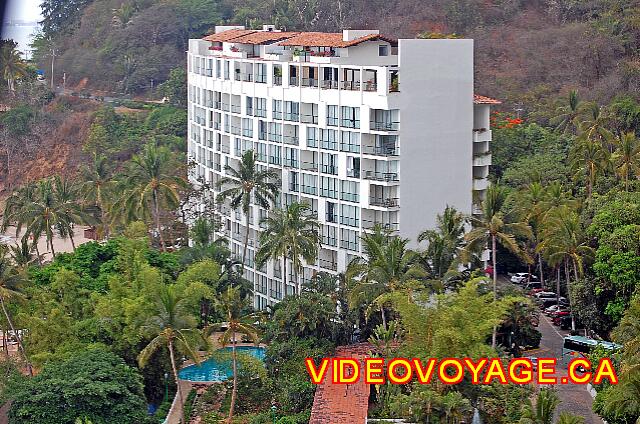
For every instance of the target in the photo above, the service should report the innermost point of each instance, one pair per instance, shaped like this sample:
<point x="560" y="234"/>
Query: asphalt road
<point x="575" y="398"/>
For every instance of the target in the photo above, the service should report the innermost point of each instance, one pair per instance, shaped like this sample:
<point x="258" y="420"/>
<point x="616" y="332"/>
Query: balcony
<point x="293" y="81"/>
<point x="384" y="126"/>
<point x="329" y="84"/>
<point x="380" y="150"/>
<point x="380" y="176"/>
<point x="236" y="109"/>
<point x="328" y="264"/>
<point x="353" y="173"/>
<point x="480" y="184"/>
<point x="235" y="129"/>
<point x="330" y="169"/>
<point x="350" y="85"/>
<point x="385" y="202"/>
<point x="309" y="119"/>
<point x="290" y="116"/>
<point x="247" y="77"/>
<point x="482" y="160"/>
<point x="294" y="188"/>
<point x="370" y="86"/>
<point x="309" y="82"/>
<point x="291" y="139"/>
<point x="481" y="135"/>
<point x="262" y="79"/>
<point x="309" y="166"/>
<point x="369" y="224"/>
<point x="306" y="189"/>
<point x="290" y="163"/>
<point x="349" y="245"/>
<point x="277" y="80"/>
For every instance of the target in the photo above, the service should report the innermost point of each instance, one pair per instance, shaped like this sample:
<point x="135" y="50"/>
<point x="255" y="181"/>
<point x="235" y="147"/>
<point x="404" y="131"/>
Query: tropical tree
<point x="172" y="327"/>
<point x="589" y="160"/>
<point x="564" y="242"/>
<point x="10" y="279"/>
<point x="594" y="127"/>
<point x="233" y="307"/>
<point x="13" y="66"/>
<point x="567" y="115"/>
<point x="444" y="242"/>
<point x="389" y="266"/>
<point x="531" y="209"/>
<point x="97" y="189"/>
<point x="291" y="234"/>
<point x="626" y="158"/>
<point x="245" y="184"/>
<point x="543" y="410"/>
<point x="490" y="229"/>
<point x="71" y="211"/>
<point x="153" y="185"/>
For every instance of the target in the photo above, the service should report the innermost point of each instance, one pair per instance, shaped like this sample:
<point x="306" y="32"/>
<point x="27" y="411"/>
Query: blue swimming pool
<point x="211" y="370"/>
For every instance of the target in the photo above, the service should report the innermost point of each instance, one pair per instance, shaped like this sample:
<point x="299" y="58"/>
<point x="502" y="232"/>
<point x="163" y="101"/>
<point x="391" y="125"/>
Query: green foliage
<point x="18" y="120"/>
<point x="175" y="88"/>
<point x="103" y="389"/>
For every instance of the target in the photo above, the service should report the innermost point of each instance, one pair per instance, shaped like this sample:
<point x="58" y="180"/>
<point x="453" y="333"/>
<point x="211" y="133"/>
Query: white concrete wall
<point x="436" y="123"/>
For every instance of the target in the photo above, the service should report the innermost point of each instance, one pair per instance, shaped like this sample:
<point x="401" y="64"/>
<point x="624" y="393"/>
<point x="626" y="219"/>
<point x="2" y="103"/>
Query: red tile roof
<point x="264" y="37"/>
<point x="483" y="100"/>
<point x="302" y="39"/>
<point x="228" y="35"/>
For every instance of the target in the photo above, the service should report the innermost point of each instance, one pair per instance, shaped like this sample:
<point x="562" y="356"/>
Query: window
<point x="349" y="239"/>
<point x="329" y="163"/>
<point x="350" y="142"/>
<point x="277" y="109"/>
<point x="261" y="73"/>
<point x="309" y="184"/>
<point x="261" y="152"/>
<point x="329" y="235"/>
<point x="332" y="115"/>
<point x="218" y="68"/>
<point x="349" y="215"/>
<point x="312" y="136"/>
<point x="353" y="167"/>
<point x="329" y="187"/>
<point x="291" y="111"/>
<point x="226" y="69"/>
<point x="329" y="139"/>
<point x="293" y="181"/>
<point x="209" y="67"/>
<point x="350" y="191"/>
<point x="275" y="132"/>
<point x="275" y="156"/>
<point x="249" y="104"/>
<point x="383" y="50"/>
<point x="262" y="130"/>
<point x="247" y="127"/>
<point x="291" y="157"/>
<point x="350" y="117"/>
<point x="261" y="283"/>
<point x="332" y="212"/>
<point x="261" y="107"/>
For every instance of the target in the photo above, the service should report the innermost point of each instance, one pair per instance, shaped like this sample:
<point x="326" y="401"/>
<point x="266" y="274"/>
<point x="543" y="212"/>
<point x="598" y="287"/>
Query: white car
<point x="545" y="295"/>
<point x="521" y="277"/>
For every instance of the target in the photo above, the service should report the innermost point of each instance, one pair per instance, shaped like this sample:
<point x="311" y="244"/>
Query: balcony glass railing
<point x="380" y="150"/>
<point x="387" y="202"/>
<point x="307" y="189"/>
<point x="309" y="82"/>
<point x="309" y="119"/>
<point x="328" y="264"/>
<point x="235" y="108"/>
<point x="277" y="80"/>
<point x="309" y="166"/>
<point x="291" y="139"/>
<point x="350" y="85"/>
<point x="247" y="77"/>
<point x="349" y="245"/>
<point x="353" y="173"/>
<point x="290" y="163"/>
<point x="329" y="84"/>
<point x="289" y="116"/>
<point x="293" y="81"/>
<point x="262" y="79"/>
<point x="384" y="126"/>
<point x="380" y="176"/>
<point x="330" y="169"/>
<point x="369" y="224"/>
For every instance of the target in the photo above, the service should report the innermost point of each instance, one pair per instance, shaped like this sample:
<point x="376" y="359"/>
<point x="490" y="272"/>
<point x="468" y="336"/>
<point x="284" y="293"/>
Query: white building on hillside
<point x="364" y="128"/>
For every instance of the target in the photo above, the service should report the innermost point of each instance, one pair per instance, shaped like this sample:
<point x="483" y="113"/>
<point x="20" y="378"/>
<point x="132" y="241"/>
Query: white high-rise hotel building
<point x="364" y="128"/>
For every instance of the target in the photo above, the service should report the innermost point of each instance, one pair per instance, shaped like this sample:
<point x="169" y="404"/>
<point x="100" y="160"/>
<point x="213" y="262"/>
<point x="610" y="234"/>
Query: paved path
<point x="574" y="397"/>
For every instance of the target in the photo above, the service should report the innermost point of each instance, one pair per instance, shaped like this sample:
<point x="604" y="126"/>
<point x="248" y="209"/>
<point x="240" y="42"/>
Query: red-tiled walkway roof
<point x="302" y="39"/>
<point x="485" y="100"/>
<point x="227" y="35"/>
<point x="343" y="403"/>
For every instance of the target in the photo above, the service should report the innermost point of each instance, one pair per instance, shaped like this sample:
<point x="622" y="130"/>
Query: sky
<point x="23" y="9"/>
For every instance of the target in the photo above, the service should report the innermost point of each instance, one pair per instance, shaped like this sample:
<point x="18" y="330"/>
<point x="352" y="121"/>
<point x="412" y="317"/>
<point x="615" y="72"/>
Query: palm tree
<point x="97" y="188"/>
<point x="455" y="406"/>
<point x="71" y="211"/>
<point x="291" y="234"/>
<point x="153" y="185"/>
<point x="233" y="307"/>
<point x="444" y="242"/>
<point x="531" y="209"/>
<point x="565" y="242"/>
<point x="389" y="267"/>
<point x="247" y="183"/>
<point x="490" y="230"/>
<point x="569" y="418"/>
<point x="172" y="327"/>
<point x="567" y="115"/>
<point x="626" y="158"/>
<point x="588" y="160"/>
<point x="13" y="67"/>
<point x="542" y="412"/>
<point x="595" y="127"/>
<point x="10" y="279"/>
<point x="22" y="254"/>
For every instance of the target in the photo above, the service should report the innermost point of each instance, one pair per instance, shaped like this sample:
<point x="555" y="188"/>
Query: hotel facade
<point x="363" y="128"/>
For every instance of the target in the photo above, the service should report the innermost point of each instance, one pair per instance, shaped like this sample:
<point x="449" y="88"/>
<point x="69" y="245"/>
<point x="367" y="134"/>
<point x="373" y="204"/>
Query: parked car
<point x="554" y="308"/>
<point x="545" y="295"/>
<point x="522" y="277"/>
<point x="552" y="301"/>
<point x="560" y="313"/>
<point x="534" y="362"/>
<point x="533" y="285"/>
